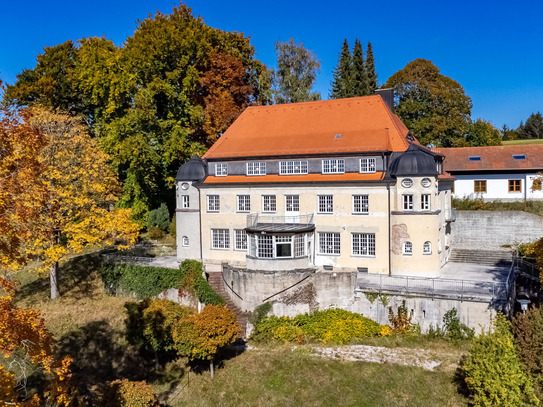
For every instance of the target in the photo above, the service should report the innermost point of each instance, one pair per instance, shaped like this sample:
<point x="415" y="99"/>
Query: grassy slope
<point x="512" y="142"/>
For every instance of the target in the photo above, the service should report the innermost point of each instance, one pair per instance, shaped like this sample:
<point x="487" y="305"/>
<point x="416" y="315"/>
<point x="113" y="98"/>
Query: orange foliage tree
<point x="24" y="341"/>
<point x="57" y="192"/>
<point x="201" y="336"/>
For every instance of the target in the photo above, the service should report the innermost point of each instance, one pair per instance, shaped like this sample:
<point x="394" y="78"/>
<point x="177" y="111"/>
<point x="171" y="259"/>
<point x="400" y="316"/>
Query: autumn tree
<point x="483" y="133"/>
<point x="75" y="193"/>
<point x="296" y="72"/>
<point x="433" y="106"/>
<point x="26" y="345"/>
<point x="342" y="85"/>
<point x="203" y="335"/>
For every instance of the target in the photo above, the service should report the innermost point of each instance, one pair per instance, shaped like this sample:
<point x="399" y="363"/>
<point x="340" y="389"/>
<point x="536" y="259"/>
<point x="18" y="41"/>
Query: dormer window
<point x="256" y="168"/>
<point x="474" y="158"/>
<point x="519" y="156"/>
<point x="367" y="165"/>
<point x="221" y="170"/>
<point x="292" y="167"/>
<point x="333" y="166"/>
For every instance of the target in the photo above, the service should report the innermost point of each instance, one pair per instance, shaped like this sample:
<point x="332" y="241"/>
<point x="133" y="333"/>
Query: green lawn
<point x="530" y="141"/>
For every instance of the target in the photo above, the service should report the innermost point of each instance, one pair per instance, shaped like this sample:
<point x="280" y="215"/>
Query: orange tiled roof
<point x="365" y="124"/>
<point x="293" y="178"/>
<point x="492" y="158"/>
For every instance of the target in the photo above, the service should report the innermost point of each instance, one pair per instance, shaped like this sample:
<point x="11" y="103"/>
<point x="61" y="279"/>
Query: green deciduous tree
<point x="433" y="106"/>
<point x="296" y="72"/>
<point x="342" y="85"/>
<point x="483" y="133"/>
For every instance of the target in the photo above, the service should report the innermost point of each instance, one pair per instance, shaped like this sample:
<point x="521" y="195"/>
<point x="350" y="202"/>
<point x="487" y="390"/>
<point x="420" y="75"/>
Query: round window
<point x="184" y="185"/>
<point x="407" y="183"/>
<point x="426" y="182"/>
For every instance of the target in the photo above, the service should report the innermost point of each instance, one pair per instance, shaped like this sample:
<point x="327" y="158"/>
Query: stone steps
<point x="483" y="257"/>
<point x="216" y="281"/>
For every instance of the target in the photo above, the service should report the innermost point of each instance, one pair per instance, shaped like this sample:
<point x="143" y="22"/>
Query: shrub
<point x="156" y="233"/>
<point x="173" y="226"/>
<point x="194" y="282"/>
<point x="261" y="312"/>
<point x="330" y="326"/>
<point x="125" y="393"/>
<point x="492" y="370"/>
<point x="159" y="218"/>
<point x="454" y="329"/>
<point x="401" y="321"/>
<point x="528" y="331"/>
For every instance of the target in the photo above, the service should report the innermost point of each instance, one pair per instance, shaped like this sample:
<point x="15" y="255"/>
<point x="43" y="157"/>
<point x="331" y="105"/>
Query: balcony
<point x="450" y="215"/>
<point x="258" y="223"/>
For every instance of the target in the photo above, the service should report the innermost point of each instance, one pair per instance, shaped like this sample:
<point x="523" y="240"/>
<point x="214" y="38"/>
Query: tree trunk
<point x="211" y="367"/>
<point x="53" y="278"/>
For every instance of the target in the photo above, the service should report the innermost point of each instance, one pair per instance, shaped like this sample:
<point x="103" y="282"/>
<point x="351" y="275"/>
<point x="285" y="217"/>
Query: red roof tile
<point x="493" y="158"/>
<point x="365" y="124"/>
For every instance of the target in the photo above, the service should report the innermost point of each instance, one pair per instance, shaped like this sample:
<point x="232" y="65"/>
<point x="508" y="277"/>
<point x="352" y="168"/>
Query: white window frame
<point x="361" y="204"/>
<point x="271" y="205"/>
<point x="292" y="203"/>
<point x="283" y="241"/>
<point x="240" y="239"/>
<point x="256" y="168"/>
<point x="265" y="250"/>
<point x="368" y="165"/>
<point x="329" y="243"/>
<point x="427" y="248"/>
<point x="325" y="204"/>
<point x="221" y="169"/>
<point x="407" y="202"/>
<point x="213" y="203"/>
<point x="220" y="239"/>
<point x="185" y="241"/>
<point x="243" y="203"/>
<point x="425" y="200"/>
<point x="292" y="167"/>
<point x="185" y="201"/>
<point x="407" y="248"/>
<point x="363" y="244"/>
<point x="333" y="166"/>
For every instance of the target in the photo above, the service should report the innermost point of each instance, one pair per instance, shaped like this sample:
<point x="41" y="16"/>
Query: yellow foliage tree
<point x="71" y="195"/>
<point x="23" y="341"/>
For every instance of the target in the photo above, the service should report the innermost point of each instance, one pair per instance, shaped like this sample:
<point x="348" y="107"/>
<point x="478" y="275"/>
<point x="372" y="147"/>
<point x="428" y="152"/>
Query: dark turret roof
<point x="193" y="170"/>
<point x="415" y="161"/>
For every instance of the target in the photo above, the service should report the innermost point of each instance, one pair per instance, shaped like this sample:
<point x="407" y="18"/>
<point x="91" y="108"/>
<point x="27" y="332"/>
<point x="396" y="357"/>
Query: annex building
<point x="505" y="173"/>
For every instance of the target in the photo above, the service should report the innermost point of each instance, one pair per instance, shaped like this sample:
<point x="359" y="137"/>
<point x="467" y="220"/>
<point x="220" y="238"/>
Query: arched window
<point x="427" y="248"/>
<point x="408" y="249"/>
<point x="185" y="241"/>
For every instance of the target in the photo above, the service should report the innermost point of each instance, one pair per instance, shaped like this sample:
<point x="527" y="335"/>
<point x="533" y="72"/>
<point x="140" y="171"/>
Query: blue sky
<point x="492" y="48"/>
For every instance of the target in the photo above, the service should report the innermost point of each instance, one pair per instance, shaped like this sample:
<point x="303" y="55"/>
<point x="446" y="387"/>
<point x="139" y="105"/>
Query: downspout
<point x="389" y="233"/>
<point x="200" y="224"/>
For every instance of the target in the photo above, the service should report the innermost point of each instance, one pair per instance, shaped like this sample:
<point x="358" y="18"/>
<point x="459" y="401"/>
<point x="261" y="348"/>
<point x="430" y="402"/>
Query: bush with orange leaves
<point x="23" y="341"/>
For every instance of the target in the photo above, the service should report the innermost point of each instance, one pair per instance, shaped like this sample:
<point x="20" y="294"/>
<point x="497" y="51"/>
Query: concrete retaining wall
<point x="492" y="229"/>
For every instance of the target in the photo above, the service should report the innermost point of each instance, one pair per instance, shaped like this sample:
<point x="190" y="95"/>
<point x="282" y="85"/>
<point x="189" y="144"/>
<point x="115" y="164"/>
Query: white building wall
<point x="497" y="186"/>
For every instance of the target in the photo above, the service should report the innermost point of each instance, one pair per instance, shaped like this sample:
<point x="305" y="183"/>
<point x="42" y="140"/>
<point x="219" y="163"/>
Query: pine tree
<point x="360" y="78"/>
<point x="370" y="70"/>
<point x="342" y="85"/>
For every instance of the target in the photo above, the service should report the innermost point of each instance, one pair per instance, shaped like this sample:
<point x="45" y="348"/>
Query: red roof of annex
<point x="364" y="124"/>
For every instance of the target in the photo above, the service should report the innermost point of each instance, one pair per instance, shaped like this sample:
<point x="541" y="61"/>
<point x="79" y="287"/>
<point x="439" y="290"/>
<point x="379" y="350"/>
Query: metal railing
<point x="255" y="219"/>
<point x="436" y="287"/>
<point x="450" y="215"/>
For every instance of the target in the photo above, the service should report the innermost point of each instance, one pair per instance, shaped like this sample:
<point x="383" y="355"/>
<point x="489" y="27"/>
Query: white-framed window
<point x="292" y="203"/>
<point x="367" y="165"/>
<point x="326" y="203"/>
<point x="363" y="244"/>
<point x="185" y="241"/>
<point x="283" y="246"/>
<point x="329" y="243"/>
<point x="427" y="248"/>
<point x="333" y="166"/>
<point x="361" y="204"/>
<point x="240" y="239"/>
<point x="244" y="203"/>
<point x="221" y="170"/>
<point x="407" y="249"/>
<point x="185" y="201"/>
<point x="407" y="201"/>
<point x="256" y="168"/>
<point x="277" y="246"/>
<point x="213" y="203"/>
<point x="220" y="239"/>
<point x="299" y="245"/>
<point x="265" y="246"/>
<point x="425" y="202"/>
<point x="292" y="167"/>
<point x="269" y="203"/>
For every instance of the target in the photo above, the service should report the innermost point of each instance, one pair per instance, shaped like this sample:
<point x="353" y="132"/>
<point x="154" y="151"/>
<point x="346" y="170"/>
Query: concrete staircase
<point x="483" y="257"/>
<point x="216" y="281"/>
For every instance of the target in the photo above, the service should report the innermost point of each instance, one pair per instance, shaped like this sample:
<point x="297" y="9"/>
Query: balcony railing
<point x="280" y="223"/>
<point x="450" y="215"/>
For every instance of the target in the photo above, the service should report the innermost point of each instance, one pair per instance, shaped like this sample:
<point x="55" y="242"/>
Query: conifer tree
<point x="360" y="77"/>
<point x="342" y="85"/>
<point x="370" y="70"/>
